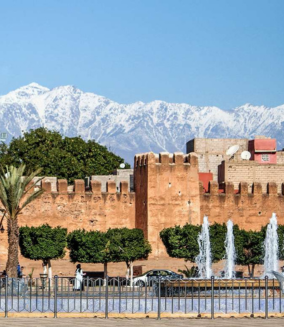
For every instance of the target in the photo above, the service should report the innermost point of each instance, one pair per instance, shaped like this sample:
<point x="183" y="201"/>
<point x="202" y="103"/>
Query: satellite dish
<point x="122" y="165"/>
<point x="232" y="150"/>
<point x="245" y="155"/>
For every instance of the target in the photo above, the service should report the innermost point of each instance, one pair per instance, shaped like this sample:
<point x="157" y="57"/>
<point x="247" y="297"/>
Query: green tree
<point x="90" y="247"/>
<point x="249" y="249"/>
<point x="280" y="232"/>
<point x="116" y="245"/>
<point x="15" y="194"/>
<point x="4" y="158"/>
<point x="43" y="243"/>
<point x="217" y="234"/>
<point x="181" y="242"/>
<point x="64" y="157"/>
<point x="128" y="245"/>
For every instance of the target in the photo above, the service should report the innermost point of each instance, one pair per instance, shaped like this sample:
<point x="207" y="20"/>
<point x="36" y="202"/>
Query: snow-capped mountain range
<point x="131" y="128"/>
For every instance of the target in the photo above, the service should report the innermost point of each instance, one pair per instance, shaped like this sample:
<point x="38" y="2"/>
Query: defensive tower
<point x="167" y="194"/>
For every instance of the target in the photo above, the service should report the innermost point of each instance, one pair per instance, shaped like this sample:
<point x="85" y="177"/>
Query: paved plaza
<point x="232" y="322"/>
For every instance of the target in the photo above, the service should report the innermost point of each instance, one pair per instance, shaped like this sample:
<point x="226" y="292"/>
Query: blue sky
<point x="223" y="53"/>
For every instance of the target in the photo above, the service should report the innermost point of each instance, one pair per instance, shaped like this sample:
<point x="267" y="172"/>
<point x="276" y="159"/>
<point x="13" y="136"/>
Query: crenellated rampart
<point x="80" y="208"/>
<point x="248" y="209"/>
<point x="60" y="186"/>
<point x="167" y="193"/>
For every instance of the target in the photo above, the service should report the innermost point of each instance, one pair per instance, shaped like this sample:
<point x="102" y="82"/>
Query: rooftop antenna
<point x="232" y="150"/>
<point x="245" y="155"/>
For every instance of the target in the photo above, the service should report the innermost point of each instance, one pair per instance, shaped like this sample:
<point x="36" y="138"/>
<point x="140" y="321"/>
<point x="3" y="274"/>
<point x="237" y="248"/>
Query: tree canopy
<point x="88" y="247"/>
<point x="115" y="245"/>
<point x="181" y="242"/>
<point x="64" y="157"/>
<point x="217" y="234"/>
<point x="250" y="251"/>
<point x="127" y="244"/>
<point x="43" y="242"/>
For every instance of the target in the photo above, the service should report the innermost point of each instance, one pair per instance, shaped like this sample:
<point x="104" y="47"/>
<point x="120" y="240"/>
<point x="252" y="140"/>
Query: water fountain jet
<point x="271" y="248"/>
<point x="230" y="251"/>
<point x="203" y="260"/>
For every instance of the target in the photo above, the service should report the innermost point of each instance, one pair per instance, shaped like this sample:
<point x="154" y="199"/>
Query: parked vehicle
<point x="153" y="275"/>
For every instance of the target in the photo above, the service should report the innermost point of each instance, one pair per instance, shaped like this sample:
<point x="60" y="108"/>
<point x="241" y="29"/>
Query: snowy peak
<point x="131" y="128"/>
<point x="37" y="86"/>
<point x="24" y="93"/>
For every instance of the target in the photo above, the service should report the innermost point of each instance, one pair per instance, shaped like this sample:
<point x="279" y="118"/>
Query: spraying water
<point x="271" y="247"/>
<point x="203" y="260"/>
<point x="230" y="251"/>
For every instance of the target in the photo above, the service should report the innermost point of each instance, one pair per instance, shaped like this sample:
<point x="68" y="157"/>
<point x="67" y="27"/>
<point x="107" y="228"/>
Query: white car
<point x="152" y="275"/>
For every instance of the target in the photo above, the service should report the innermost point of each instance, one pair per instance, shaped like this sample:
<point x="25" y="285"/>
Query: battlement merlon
<point x="257" y="189"/>
<point x="61" y="186"/>
<point x="165" y="158"/>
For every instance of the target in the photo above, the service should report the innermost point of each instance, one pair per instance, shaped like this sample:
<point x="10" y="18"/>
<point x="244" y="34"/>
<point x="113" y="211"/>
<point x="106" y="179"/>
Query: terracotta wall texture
<point x="167" y="193"/>
<point x="92" y="210"/>
<point x="249" y="209"/>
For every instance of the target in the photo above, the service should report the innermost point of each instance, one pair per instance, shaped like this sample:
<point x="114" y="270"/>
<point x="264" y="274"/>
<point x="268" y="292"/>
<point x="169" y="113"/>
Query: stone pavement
<point x="232" y="322"/>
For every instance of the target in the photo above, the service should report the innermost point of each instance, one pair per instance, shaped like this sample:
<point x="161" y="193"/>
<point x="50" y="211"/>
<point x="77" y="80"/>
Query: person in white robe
<point x="79" y="285"/>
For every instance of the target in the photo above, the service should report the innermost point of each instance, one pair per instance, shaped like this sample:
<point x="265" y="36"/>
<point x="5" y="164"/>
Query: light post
<point x="2" y="229"/>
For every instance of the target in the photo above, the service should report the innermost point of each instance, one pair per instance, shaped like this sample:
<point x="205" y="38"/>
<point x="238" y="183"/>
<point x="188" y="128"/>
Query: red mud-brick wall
<point x="141" y="192"/>
<point x="167" y="194"/>
<point x="92" y="210"/>
<point x="248" y="209"/>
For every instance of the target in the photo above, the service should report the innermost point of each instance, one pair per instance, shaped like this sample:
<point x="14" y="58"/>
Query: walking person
<point x="21" y="272"/>
<point x="79" y="285"/>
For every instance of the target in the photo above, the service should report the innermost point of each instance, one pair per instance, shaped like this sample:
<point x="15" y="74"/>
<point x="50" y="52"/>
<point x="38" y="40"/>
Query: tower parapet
<point x="177" y="158"/>
<point x="167" y="193"/>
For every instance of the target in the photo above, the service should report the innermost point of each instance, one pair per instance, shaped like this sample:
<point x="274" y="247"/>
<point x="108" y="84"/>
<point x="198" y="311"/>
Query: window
<point x="265" y="157"/>
<point x="3" y="135"/>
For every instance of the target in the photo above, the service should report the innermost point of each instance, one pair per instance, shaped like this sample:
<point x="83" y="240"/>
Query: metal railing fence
<point x="116" y="295"/>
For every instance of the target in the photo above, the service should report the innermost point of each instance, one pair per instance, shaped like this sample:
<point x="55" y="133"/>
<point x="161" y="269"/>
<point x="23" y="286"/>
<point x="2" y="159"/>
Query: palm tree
<point x="15" y="194"/>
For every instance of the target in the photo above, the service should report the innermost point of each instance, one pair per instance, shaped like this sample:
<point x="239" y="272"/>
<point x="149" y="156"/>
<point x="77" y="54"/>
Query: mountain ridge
<point x="132" y="128"/>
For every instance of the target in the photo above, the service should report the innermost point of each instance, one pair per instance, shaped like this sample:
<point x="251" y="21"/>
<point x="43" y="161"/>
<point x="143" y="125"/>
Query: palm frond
<point x="15" y="187"/>
<point x="31" y="176"/>
<point x="32" y="197"/>
<point x="32" y="185"/>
